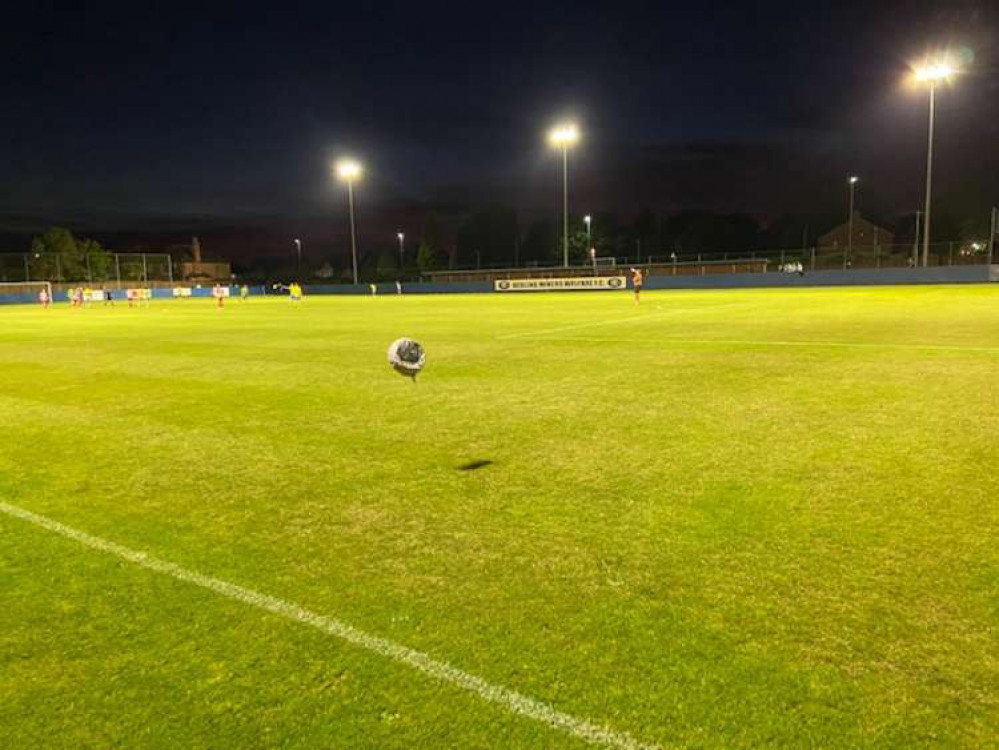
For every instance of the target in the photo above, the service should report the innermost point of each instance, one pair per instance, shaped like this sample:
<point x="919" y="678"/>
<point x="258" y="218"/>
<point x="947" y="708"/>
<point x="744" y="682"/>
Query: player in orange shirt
<point x="636" y="281"/>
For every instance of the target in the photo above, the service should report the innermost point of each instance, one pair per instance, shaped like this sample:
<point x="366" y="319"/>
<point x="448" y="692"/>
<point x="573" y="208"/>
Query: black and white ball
<point x="407" y="357"/>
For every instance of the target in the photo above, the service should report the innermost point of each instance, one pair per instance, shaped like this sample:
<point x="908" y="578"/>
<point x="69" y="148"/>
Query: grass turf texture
<point x="719" y="519"/>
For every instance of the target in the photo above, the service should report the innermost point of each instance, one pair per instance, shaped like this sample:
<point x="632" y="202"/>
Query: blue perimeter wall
<point x="887" y="276"/>
<point x="873" y="277"/>
<point x="407" y="288"/>
<point x="119" y="295"/>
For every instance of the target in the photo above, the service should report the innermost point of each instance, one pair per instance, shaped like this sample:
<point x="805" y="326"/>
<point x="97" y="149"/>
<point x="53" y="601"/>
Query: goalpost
<point x="23" y="291"/>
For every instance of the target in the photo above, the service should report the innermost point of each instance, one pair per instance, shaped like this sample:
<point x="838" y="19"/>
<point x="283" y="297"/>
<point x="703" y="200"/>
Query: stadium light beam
<point x="349" y="170"/>
<point x="298" y="250"/>
<point x="931" y="73"/>
<point x="563" y="137"/>
<point x="402" y="248"/>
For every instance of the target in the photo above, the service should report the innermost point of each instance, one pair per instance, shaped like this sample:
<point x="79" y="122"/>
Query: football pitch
<point x="718" y="519"/>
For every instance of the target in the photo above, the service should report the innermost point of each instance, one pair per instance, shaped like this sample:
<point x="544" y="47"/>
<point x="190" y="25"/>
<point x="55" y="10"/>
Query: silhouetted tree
<point x="78" y="260"/>
<point x="489" y="236"/>
<point x="692" y="232"/>
<point x="388" y="266"/>
<point x="538" y="245"/>
<point x="430" y="254"/>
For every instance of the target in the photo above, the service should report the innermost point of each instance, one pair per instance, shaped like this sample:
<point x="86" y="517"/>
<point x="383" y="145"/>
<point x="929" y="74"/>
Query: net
<point x="20" y="292"/>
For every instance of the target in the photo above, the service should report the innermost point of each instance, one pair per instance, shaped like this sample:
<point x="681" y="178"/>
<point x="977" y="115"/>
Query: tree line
<point x="57" y="255"/>
<point x="496" y="236"/>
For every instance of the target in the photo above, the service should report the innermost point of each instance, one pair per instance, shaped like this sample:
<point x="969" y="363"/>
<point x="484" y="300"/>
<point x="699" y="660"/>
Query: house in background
<point x="198" y="270"/>
<point x="865" y="234"/>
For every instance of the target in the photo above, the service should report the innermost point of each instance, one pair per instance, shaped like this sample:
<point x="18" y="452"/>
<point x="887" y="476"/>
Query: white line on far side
<point x="667" y="340"/>
<point x="617" y="321"/>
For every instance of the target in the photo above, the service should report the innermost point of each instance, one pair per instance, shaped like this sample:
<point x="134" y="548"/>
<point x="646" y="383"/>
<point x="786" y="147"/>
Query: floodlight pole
<point x="915" y="246"/>
<point x="353" y="232"/>
<point x="849" y="238"/>
<point x="565" y="205"/>
<point x="929" y="177"/>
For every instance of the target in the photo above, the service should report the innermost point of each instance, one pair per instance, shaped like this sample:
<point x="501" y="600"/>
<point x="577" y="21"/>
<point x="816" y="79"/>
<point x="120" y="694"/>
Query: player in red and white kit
<point x="43" y="297"/>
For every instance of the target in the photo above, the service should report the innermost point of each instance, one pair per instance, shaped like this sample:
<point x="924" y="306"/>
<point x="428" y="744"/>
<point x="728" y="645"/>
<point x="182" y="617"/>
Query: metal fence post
<point x="813" y="258"/>
<point x="145" y="272"/>
<point x="117" y="270"/>
<point x="170" y="269"/>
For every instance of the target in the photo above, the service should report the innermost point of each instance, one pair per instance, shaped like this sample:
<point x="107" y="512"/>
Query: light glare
<point x="348" y="169"/>
<point x="934" y="71"/>
<point x="563" y="135"/>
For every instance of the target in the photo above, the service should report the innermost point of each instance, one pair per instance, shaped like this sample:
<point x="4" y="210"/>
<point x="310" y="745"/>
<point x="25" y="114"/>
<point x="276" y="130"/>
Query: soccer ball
<point x="407" y="357"/>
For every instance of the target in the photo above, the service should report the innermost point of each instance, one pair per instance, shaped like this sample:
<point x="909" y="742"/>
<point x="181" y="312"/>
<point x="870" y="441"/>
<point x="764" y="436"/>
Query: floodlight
<point x="348" y="169"/>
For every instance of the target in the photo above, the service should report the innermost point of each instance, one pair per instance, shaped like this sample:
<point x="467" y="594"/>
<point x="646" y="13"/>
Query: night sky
<point x="122" y="112"/>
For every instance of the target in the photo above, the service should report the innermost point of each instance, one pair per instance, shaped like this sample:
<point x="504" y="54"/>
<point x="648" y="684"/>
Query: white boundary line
<point x="560" y="329"/>
<point x="616" y="321"/>
<point x="512" y="701"/>
<point x="748" y="342"/>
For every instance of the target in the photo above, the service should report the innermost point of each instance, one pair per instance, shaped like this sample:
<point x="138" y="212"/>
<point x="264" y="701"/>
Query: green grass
<point x="721" y="519"/>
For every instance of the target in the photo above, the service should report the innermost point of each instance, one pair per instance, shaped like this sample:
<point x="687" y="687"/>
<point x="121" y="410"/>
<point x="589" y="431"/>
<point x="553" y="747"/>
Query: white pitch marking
<point x="616" y="321"/>
<point x="745" y="342"/>
<point x="512" y="701"/>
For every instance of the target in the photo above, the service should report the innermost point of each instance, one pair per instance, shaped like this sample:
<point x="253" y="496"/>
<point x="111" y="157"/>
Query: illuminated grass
<point x="720" y="519"/>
